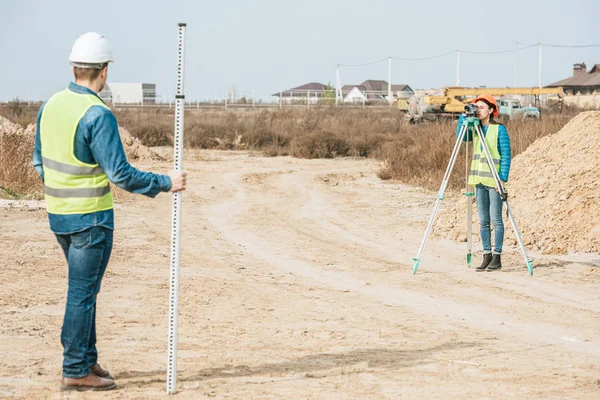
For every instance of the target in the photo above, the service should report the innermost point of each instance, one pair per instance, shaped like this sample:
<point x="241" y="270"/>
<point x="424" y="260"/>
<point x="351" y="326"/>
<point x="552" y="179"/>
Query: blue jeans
<point x="489" y="206"/>
<point x="87" y="254"/>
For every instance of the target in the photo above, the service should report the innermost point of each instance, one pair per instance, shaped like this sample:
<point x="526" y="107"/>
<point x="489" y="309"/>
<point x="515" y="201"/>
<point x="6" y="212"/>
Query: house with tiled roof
<point x="313" y="91"/>
<point x="582" y="81"/>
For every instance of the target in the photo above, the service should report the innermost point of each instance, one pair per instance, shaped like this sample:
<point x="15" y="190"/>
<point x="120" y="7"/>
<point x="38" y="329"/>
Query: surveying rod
<point x="176" y="220"/>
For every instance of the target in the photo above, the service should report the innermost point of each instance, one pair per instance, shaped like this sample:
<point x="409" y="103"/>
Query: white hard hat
<point x="90" y="50"/>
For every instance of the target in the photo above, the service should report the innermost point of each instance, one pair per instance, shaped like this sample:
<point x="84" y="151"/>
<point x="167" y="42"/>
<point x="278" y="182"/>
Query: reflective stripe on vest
<point x="71" y="186"/>
<point x="66" y="193"/>
<point x="480" y="171"/>
<point x="71" y="169"/>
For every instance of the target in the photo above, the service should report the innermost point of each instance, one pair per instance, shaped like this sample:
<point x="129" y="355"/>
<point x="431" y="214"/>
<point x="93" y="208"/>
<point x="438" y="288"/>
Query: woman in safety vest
<point x="488" y="200"/>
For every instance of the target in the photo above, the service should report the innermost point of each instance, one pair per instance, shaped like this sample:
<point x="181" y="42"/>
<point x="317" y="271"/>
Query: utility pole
<point x="457" y="67"/>
<point x="540" y="66"/>
<point x="516" y="49"/>
<point x="390" y="80"/>
<point x="338" y="85"/>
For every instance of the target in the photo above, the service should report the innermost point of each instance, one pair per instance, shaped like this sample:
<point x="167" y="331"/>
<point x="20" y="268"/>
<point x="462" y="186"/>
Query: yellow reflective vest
<point x="480" y="171"/>
<point x="71" y="186"/>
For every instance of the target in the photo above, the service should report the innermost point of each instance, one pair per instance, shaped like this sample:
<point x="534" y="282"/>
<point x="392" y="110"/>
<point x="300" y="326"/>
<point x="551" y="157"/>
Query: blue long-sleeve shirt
<point x="503" y="146"/>
<point x="97" y="141"/>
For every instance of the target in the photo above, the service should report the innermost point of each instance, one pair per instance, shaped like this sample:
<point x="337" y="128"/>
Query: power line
<point x="498" y="52"/>
<point x="562" y="45"/>
<point x="487" y="52"/>
<point x="437" y="56"/>
<point x="424" y="58"/>
<point x="581" y="46"/>
<point x="361" y="65"/>
<point x="525" y="46"/>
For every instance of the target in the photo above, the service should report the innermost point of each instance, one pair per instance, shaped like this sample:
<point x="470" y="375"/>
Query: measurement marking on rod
<point x="176" y="221"/>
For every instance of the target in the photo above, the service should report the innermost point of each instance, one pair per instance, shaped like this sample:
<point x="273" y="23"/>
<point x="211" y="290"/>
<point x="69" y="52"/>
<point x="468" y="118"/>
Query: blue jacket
<point x="503" y="146"/>
<point x="97" y="141"/>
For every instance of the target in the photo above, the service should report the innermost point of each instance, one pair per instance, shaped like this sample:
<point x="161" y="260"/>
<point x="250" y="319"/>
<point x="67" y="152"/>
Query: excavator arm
<point x="455" y="98"/>
<point x="531" y="91"/>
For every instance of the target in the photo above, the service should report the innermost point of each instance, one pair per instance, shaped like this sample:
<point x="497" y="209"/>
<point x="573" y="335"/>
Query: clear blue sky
<point x="272" y="45"/>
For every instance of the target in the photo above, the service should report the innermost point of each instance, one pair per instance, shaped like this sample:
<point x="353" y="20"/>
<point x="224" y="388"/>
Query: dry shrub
<point x="17" y="176"/>
<point x="153" y="127"/>
<point x="419" y="154"/>
<point x="365" y="144"/>
<point x="201" y="136"/>
<point x="318" y="145"/>
<point x="20" y="112"/>
<point x="265" y="134"/>
<point x="270" y="131"/>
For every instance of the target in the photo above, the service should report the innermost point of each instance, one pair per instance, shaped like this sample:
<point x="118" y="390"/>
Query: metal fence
<point x="305" y="100"/>
<point x="284" y="99"/>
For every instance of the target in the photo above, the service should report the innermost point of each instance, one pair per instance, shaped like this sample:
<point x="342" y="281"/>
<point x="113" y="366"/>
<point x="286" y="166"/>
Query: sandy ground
<point x="296" y="283"/>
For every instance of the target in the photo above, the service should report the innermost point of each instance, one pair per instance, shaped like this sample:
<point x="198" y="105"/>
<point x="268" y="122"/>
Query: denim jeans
<point x="489" y="206"/>
<point x="87" y="254"/>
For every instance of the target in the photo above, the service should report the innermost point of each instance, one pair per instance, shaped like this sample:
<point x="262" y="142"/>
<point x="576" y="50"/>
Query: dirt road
<point x="296" y="283"/>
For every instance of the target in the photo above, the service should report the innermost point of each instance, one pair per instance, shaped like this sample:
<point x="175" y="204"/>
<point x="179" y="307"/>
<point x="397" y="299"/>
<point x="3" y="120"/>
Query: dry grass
<point x="318" y="133"/>
<point x="18" y="179"/>
<point x="415" y="154"/>
<point x="20" y="112"/>
<point x="421" y="154"/>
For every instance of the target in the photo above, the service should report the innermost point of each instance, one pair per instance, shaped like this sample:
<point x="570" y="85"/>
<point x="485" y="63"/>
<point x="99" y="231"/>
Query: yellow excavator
<point x="454" y="99"/>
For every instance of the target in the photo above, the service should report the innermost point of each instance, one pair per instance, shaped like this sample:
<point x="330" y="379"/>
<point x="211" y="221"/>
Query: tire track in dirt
<point x="479" y="316"/>
<point x="391" y="255"/>
<point x="525" y="288"/>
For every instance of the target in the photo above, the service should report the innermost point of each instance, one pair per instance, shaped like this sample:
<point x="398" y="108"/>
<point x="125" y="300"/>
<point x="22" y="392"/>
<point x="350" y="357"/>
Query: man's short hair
<point x="88" y="74"/>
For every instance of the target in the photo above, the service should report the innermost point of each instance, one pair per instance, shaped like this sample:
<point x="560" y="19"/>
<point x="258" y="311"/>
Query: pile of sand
<point x="8" y="128"/>
<point x="135" y="150"/>
<point x="30" y="130"/>
<point x="554" y="193"/>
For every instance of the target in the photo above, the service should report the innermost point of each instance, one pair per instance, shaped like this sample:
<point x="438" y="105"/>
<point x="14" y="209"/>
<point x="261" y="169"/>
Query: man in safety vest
<point x="77" y="153"/>
<point x="489" y="202"/>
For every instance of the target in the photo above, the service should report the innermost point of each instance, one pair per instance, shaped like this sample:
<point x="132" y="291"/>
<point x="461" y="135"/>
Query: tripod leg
<point x="440" y="195"/>
<point x="519" y="239"/>
<point x="504" y="196"/>
<point x="469" y="193"/>
<point x="469" y="231"/>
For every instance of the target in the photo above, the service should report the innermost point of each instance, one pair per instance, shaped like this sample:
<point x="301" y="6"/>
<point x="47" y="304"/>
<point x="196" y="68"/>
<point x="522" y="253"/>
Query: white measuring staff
<point x="176" y="220"/>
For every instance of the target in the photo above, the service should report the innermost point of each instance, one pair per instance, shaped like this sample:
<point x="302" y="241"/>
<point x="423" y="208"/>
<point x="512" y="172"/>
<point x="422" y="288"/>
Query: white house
<point x="354" y="94"/>
<point x="374" y="90"/>
<point x="129" y="93"/>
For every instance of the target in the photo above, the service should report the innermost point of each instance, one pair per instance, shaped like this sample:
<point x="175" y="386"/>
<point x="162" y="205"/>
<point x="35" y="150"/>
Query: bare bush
<point x="17" y="176"/>
<point x="20" y="112"/>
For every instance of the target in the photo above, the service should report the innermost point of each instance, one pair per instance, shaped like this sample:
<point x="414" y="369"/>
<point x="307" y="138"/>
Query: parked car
<point x="513" y="109"/>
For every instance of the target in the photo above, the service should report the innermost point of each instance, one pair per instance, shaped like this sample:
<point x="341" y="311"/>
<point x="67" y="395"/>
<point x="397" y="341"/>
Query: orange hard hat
<point x="489" y="99"/>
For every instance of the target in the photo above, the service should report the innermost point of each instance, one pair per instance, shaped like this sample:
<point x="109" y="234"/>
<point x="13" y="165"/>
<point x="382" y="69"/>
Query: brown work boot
<point x="89" y="382"/>
<point x="98" y="371"/>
